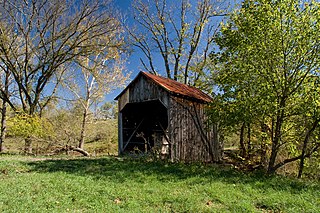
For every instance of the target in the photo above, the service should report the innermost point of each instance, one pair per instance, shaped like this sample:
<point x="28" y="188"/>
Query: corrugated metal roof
<point x="174" y="87"/>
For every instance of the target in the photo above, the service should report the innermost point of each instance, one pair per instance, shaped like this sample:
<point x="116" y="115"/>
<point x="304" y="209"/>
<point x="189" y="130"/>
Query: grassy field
<point x="110" y="184"/>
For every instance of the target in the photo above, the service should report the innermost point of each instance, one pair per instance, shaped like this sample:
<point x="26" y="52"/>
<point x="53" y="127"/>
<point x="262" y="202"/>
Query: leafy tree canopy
<point x="268" y="68"/>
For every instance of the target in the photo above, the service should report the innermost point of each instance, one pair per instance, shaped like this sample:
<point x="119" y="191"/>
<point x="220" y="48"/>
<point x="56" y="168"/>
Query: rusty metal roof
<point x="174" y="88"/>
<point x="177" y="88"/>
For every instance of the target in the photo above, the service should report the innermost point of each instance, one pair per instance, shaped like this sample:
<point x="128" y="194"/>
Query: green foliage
<point x="312" y="167"/>
<point x="109" y="110"/>
<point x="126" y="185"/>
<point x="59" y="128"/>
<point x="24" y="125"/>
<point x="268" y="72"/>
<point x="270" y="50"/>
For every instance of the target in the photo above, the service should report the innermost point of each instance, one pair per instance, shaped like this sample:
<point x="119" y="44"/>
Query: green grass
<point x="112" y="184"/>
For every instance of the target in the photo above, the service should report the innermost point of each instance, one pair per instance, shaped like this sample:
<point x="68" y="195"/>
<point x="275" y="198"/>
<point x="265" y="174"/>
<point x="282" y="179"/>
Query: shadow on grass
<point x="122" y="169"/>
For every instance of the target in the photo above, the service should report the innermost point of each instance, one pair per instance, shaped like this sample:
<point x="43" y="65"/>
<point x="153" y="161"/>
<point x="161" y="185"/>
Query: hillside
<point x="109" y="184"/>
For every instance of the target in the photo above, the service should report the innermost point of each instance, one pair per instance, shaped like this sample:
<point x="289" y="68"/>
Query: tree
<point x="269" y="59"/>
<point x="109" y="110"/>
<point x="45" y="36"/>
<point x="5" y="93"/>
<point x="100" y="75"/>
<point x="4" y="85"/>
<point x="180" y="33"/>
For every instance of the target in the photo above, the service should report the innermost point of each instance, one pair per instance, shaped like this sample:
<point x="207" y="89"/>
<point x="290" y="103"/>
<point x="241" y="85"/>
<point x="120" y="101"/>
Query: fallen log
<point x="67" y="148"/>
<point x="82" y="151"/>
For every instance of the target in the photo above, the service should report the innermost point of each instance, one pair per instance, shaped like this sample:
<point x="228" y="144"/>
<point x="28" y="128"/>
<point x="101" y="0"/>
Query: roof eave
<point x="127" y="87"/>
<point x="166" y="89"/>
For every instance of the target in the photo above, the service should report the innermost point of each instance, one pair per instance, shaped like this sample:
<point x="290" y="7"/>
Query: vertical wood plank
<point x="120" y="134"/>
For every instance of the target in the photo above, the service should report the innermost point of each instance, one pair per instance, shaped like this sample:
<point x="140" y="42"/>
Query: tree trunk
<point x="3" y="124"/>
<point x="243" y="151"/>
<point x="263" y="152"/>
<point x="83" y="129"/>
<point x="3" y="127"/>
<point x="249" y="147"/>
<point x="304" y="148"/>
<point x="274" y="150"/>
<point x="77" y="149"/>
<point x="28" y="145"/>
<point x="275" y="143"/>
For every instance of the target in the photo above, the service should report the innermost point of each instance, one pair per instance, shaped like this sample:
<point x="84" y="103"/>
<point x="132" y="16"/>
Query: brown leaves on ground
<point x="117" y="201"/>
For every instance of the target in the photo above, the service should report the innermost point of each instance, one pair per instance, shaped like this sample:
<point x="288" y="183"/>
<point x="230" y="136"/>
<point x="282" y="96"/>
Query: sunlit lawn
<point x="112" y="184"/>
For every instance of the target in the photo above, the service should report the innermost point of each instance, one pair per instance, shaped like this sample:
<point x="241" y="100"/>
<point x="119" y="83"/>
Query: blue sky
<point x="123" y="4"/>
<point x="133" y="61"/>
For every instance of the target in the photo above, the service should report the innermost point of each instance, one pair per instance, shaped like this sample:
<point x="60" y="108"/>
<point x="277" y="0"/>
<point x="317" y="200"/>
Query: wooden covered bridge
<point x="168" y="118"/>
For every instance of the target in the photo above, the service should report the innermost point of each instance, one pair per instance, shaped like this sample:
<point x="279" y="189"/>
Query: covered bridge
<point x="167" y="118"/>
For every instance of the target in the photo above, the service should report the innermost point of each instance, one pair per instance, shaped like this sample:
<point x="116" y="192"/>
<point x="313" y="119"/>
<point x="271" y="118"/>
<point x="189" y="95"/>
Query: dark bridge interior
<point x="144" y="125"/>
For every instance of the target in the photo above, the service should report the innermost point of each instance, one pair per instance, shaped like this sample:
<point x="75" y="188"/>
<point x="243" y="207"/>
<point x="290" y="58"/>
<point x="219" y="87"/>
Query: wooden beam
<point x="120" y="133"/>
<point x="164" y="133"/>
<point x="134" y="132"/>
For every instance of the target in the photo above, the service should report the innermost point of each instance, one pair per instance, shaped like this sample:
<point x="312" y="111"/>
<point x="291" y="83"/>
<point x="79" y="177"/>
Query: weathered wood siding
<point x="189" y="133"/>
<point x="123" y="100"/>
<point x="143" y="90"/>
<point x="190" y="138"/>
